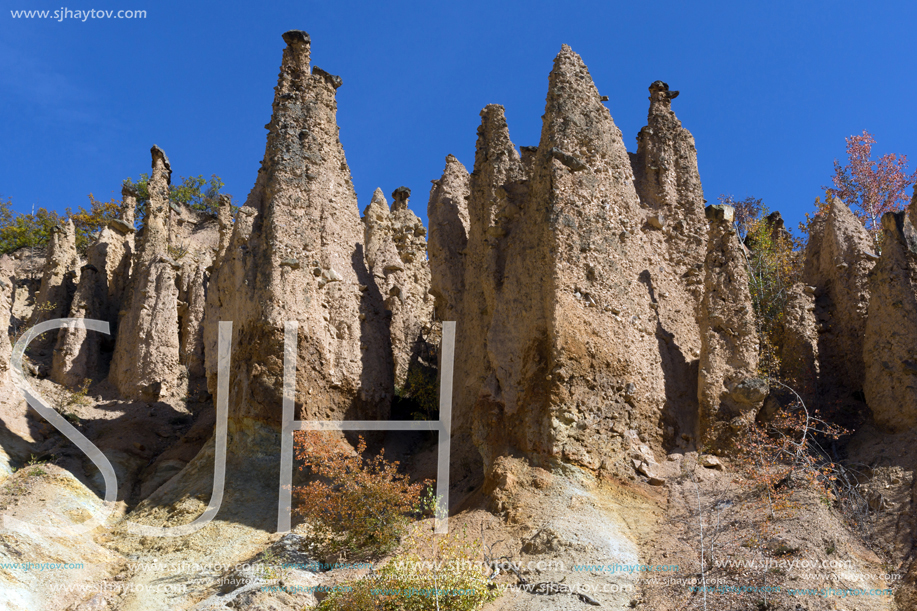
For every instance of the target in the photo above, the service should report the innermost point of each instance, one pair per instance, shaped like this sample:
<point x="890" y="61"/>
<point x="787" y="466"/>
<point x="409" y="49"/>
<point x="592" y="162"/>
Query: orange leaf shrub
<point x="357" y="505"/>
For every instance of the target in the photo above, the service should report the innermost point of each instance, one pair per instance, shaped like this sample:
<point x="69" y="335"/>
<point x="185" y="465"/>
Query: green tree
<point x="88" y="223"/>
<point x="195" y="191"/>
<point x="25" y="230"/>
<point x="774" y="265"/>
<point x="34" y="229"/>
<point x="356" y="505"/>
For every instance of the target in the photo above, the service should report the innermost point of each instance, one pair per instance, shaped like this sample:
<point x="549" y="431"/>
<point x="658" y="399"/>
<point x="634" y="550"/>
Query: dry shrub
<point x="358" y="506"/>
<point x="432" y="572"/>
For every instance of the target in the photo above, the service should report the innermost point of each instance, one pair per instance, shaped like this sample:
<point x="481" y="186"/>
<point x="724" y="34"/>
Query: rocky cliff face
<point x="604" y="321"/>
<point x="838" y="260"/>
<point x="494" y="185"/>
<point x="296" y="254"/>
<point x="890" y="342"/>
<point x="103" y="280"/>
<point x="729" y="390"/>
<point x="668" y="183"/>
<point x="396" y="253"/>
<point x="6" y="311"/>
<point x="60" y="277"/>
<point x="447" y="213"/>
<point x="571" y="348"/>
<point x="798" y="349"/>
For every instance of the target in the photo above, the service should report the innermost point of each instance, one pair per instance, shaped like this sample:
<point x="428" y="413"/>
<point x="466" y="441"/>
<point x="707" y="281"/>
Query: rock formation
<point x="145" y="364"/>
<point x="295" y="255"/>
<point x="6" y="311"/>
<point x="396" y="251"/>
<point x="565" y="352"/>
<point x="447" y="214"/>
<point x="798" y="346"/>
<point x="890" y="342"/>
<point x="668" y="183"/>
<point x="99" y="296"/>
<point x="838" y="260"/>
<point x="729" y="390"/>
<point x="60" y="277"/>
<point x="224" y="221"/>
<point x="494" y="196"/>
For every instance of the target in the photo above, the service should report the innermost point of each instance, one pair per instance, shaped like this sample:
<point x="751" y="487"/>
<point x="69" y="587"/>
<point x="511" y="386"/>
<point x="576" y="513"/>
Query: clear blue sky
<point x="769" y="89"/>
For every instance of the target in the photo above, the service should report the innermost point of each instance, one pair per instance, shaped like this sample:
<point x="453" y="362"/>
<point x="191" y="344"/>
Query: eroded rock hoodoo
<point x="59" y="279"/>
<point x="668" y="183"/>
<point x="447" y="213"/>
<point x="146" y="360"/>
<point x="839" y="258"/>
<point x="729" y="390"/>
<point x="571" y="349"/>
<point x="296" y="254"/>
<point x="103" y="280"/>
<point x="396" y="250"/>
<point x="890" y="342"/>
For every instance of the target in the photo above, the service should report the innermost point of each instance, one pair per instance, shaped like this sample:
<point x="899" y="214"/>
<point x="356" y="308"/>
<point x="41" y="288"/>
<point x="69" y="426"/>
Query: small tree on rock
<point x="871" y="187"/>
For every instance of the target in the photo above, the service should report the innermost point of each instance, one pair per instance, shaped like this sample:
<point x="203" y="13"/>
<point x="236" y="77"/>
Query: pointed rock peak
<point x="224" y="211"/>
<point x="128" y="204"/>
<point x="400" y="197"/>
<point x="493" y="137"/>
<point x="69" y="231"/>
<point x="379" y="197"/>
<point x="453" y="181"/>
<point x="161" y="163"/>
<point x="840" y="210"/>
<point x="568" y="64"/>
<point x="493" y="120"/>
<point x="454" y="167"/>
<point x="377" y="210"/>
<point x="574" y="112"/>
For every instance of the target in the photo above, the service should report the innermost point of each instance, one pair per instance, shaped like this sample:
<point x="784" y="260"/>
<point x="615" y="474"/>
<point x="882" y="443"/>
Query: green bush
<point x="25" y="230"/>
<point x="197" y="192"/>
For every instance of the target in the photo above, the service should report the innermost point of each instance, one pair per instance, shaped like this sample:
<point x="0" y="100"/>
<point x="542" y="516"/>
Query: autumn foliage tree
<point x="774" y="266"/>
<point x="88" y="222"/>
<point x="361" y="506"/>
<point x="746" y="211"/>
<point x="871" y="187"/>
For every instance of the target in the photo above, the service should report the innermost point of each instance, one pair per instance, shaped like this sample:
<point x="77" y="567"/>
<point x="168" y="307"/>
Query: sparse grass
<point x="178" y="252"/>
<point x="45" y="307"/>
<point x="79" y="397"/>
<point x="270" y="568"/>
<point x="408" y="582"/>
